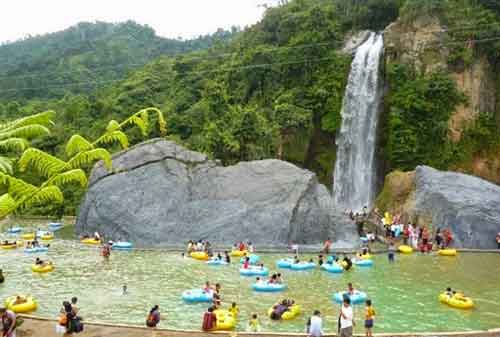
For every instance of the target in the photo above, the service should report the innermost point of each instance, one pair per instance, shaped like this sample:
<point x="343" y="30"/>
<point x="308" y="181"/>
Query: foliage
<point x="420" y="107"/>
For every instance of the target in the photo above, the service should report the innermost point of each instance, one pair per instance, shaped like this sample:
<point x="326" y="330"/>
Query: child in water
<point x="235" y="310"/>
<point x="392" y="250"/>
<point x="369" y="317"/>
<point x="253" y="324"/>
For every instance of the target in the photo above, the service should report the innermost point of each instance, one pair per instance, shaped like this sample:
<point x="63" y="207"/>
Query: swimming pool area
<point x="405" y="293"/>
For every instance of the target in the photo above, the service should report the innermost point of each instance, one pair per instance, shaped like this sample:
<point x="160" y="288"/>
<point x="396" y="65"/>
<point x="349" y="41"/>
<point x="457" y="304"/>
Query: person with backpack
<point x="154" y="317"/>
<point x="73" y="323"/>
<point x="209" y="320"/>
<point x="8" y="322"/>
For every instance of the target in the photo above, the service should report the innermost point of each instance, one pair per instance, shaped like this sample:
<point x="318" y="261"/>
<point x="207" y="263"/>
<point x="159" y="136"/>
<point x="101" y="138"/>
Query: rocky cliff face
<point x="467" y="204"/>
<point x="161" y="193"/>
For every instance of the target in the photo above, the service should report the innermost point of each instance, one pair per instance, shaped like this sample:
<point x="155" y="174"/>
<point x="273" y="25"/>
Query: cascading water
<point x="355" y="169"/>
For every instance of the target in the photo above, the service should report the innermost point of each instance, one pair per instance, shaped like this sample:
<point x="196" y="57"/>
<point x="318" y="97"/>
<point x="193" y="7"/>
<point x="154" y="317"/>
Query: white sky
<point x="169" y="18"/>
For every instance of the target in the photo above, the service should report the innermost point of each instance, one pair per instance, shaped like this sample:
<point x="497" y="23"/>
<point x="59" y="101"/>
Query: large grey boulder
<point x="467" y="204"/>
<point x="160" y="194"/>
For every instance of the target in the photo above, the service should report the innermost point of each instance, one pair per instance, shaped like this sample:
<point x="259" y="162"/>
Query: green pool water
<point x="404" y="293"/>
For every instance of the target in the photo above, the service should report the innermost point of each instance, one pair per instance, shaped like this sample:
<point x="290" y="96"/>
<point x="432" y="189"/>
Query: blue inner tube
<point x="332" y="268"/>
<point x="14" y="230"/>
<point x="122" y="245"/>
<point x="55" y="226"/>
<point x="363" y="263"/>
<point x="284" y="263"/>
<point x="254" y="259"/>
<point x="197" y="296"/>
<point x="268" y="287"/>
<point x="36" y="250"/>
<point x="254" y="271"/>
<point x="303" y="266"/>
<point x="217" y="262"/>
<point x="357" y="298"/>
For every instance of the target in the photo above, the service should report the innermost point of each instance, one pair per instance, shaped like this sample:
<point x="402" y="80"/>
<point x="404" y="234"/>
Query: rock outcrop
<point x="160" y="193"/>
<point x="467" y="204"/>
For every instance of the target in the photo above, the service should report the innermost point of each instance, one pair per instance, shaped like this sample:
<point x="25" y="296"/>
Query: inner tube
<point x="197" y="296"/>
<point x="405" y="249"/>
<point x="217" y="262"/>
<point x="332" y="268"/>
<point x="254" y="259"/>
<point x="284" y="263"/>
<point x="363" y="263"/>
<point x="91" y="241"/>
<point x="225" y="320"/>
<point x="55" y="226"/>
<point x="238" y="253"/>
<point x="28" y="236"/>
<point x="199" y="255"/>
<point x="42" y="269"/>
<point x="122" y="245"/>
<point x="292" y="312"/>
<point x="268" y="287"/>
<point x="357" y="298"/>
<point x="36" y="250"/>
<point x="28" y="306"/>
<point x="303" y="266"/>
<point x="364" y="256"/>
<point x="14" y="230"/>
<point x="459" y="302"/>
<point x="47" y="237"/>
<point x="254" y="271"/>
<point x="9" y="246"/>
<point x="447" y="252"/>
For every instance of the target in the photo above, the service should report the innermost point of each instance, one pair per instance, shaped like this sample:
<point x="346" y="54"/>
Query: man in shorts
<point x="346" y="318"/>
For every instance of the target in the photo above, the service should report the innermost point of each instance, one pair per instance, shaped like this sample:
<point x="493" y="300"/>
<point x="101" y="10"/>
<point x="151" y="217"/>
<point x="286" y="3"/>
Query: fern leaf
<point x="88" y="157"/>
<point x="43" y="118"/>
<point x="112" y="126"/>
<point x="72" y="176"/>
<point x="139" y="122"/>
<point x="5" y="164"/>
<point x="77" y="144"/>
<point x="16" y="188"/>
<point x="44" y="163"/>
<point x="45" y="195"/>
<point x="27" y="131"/>
<point x="114" y="137"/>
<point x="7" y="205"/>
<point x="14" y="144"/>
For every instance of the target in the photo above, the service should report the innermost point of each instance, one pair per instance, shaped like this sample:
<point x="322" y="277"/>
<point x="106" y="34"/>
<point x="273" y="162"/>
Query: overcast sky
<point x="170" y="18"/>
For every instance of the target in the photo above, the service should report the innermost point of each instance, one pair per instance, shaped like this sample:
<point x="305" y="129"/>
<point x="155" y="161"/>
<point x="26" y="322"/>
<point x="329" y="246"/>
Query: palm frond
<point x="72" y="176"/>
<point x="43" y="118"/>
<point x="42" y="162"/>
<point x="27" y="131"/>
<point x="7" y="205"/>
<point x="116" y="136"/>
<point x="88" y="157"/>
<point x="5" y="164"/>
<point x="13" y="144"/>
<point x="112" y="126"/>
<point x="77" y="144"/>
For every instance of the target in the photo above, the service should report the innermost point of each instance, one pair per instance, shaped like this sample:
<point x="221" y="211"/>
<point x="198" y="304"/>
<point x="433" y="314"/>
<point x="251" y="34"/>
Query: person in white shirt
<point x="316" y="326"/>
<point x="346" y="319"/>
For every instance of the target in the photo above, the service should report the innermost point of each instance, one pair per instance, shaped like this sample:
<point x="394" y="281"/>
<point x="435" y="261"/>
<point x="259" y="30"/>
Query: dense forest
<point x="273" y="90"/>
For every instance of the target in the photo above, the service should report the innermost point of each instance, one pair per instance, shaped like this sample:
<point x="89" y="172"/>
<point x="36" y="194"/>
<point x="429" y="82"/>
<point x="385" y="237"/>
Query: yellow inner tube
<point x="91" y="241"/>
<point x="456" y="301"/>
<point x="42" y="269"/>
<point x="47" y="237"/>
<point x="364" y="257"/>
<point x="293" y="312"/>
<point x="9" y="246"/>
<point x="199" y="255"/>
<point x="225" y="320"/>
<point x="28" y="236"/>
<point x="28" y="306"/>
<point x="405" y="249"/>
<point x="238" y="253"/>
<point x="447" y="252"/>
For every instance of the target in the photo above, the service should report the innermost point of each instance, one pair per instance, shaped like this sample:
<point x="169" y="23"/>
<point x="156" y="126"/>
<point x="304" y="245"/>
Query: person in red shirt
<point x="448" y="237"/>
<point x="241" y="246"/>
<point x="326" y="246"/>
<point x="209" y="320"/>
<point x="246" y="264"/>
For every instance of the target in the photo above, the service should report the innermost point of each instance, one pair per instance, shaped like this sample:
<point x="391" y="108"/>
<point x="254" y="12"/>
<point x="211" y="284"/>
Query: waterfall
<point x="355" y="168"/>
